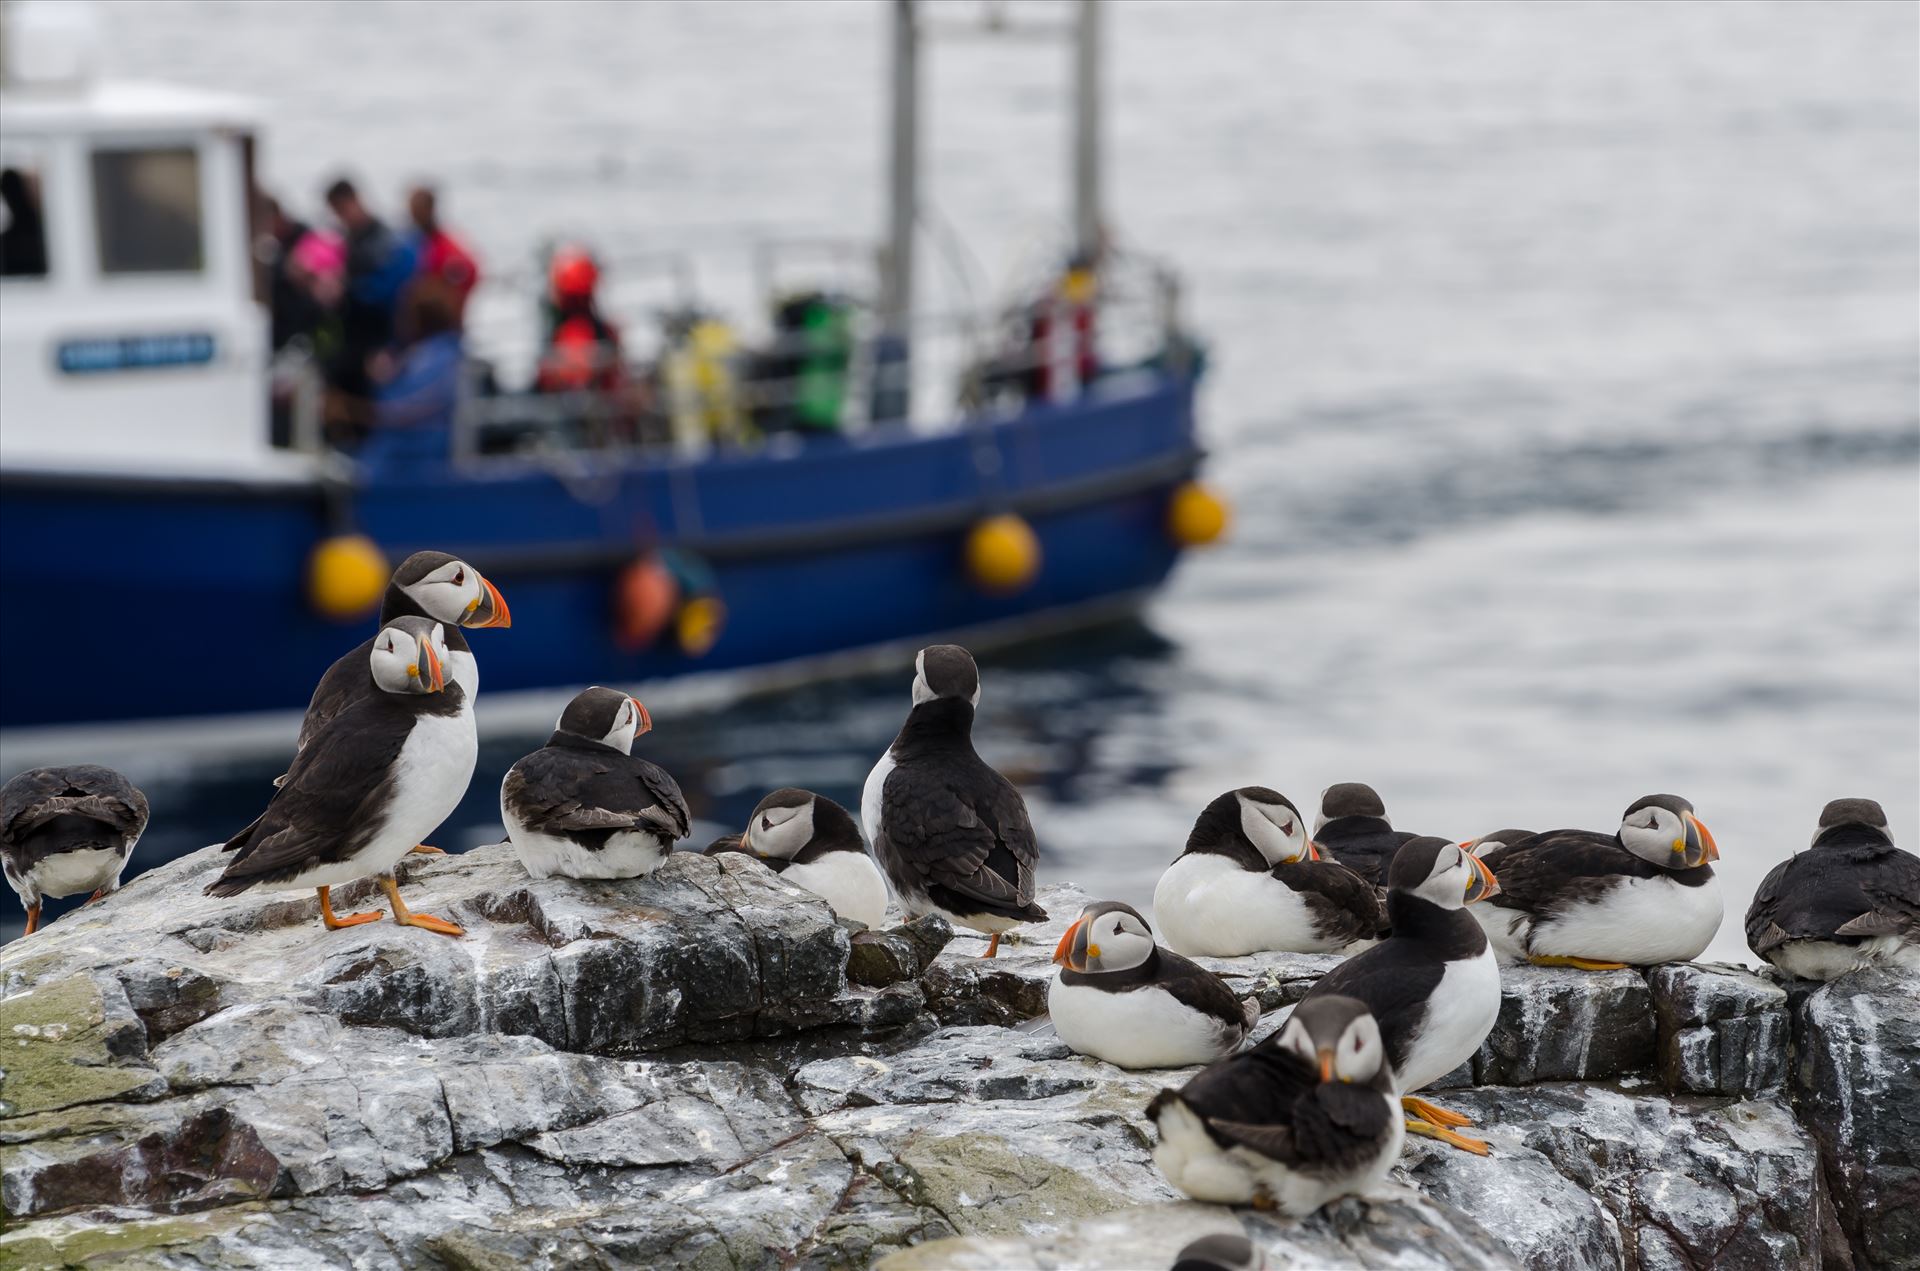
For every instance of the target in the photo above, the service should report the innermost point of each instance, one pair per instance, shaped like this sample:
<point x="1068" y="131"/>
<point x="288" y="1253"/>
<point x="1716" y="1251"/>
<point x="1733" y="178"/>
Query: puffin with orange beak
<point x="1302" y="1119"/>
<point x="1122" y="998"/>
<point x="583" y="805"/>
<point x="813" y="843"/>
<point x="371" y="782"/>
<point x="1251" y="880"/>
<point x="1643" y="895"/>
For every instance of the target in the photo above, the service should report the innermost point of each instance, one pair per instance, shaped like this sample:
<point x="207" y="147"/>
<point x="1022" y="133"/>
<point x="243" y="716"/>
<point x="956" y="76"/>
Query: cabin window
<point x="23" y="222"/>
<point x="146" y="206"/>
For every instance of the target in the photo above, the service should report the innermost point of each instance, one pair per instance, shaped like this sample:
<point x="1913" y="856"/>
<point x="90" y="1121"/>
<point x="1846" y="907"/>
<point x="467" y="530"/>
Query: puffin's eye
<point x="1357" y="1043"/>
<point x="459" y="576"/>
<point x="766" y="823"/>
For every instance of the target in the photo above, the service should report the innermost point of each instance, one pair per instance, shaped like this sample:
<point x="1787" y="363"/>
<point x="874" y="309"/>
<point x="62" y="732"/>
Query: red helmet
<point x="572" y="274"/>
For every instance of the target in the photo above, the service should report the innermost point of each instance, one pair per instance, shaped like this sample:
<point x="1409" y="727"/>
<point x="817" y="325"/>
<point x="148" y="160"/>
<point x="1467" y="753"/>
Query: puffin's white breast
<point x="870" y="796"/>
<point x="849" y="881"/>
<point x="1144" y="1027"/>
<point x="70" y="873"/>
<point x="1639" y="920"/>
<point x="1460" y="1014"/>
<point x="1208" y="906"/>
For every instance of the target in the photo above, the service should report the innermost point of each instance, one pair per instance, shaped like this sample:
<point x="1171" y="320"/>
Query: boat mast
<point x="903" y="173"/>
<point x="1087" y="228"/>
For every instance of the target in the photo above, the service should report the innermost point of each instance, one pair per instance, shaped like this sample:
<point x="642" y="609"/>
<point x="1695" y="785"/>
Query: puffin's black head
<point x="1849" y="813"/>
<point x="1440" y="872"/>
<point x="1338" y="1036"/>
<point x="1257" y="817"/>
<point x="605" y="715"/>
<point x="1349" y="798"/>
<point x="1107" y="936"/>
<point x="448" y="589"/>
<point x="789" y="821"/>
<point x="1222" y="1251"/>
<point x="1662" y="830"/>
<point x="410" y="656"/>
<point x="945" y="671"/>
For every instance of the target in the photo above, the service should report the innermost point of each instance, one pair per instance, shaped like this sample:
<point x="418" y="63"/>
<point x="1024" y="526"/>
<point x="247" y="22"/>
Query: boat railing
<point x="705" y="386"/>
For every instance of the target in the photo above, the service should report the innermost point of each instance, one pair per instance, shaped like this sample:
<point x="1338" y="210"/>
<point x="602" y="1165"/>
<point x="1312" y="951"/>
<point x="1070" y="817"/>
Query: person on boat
<point x="583" y="348"/>
<point x="23" y="239"/>
<point x="379" y="267"/>
<point x="1063" y="347"/>
<point x="299" y="295"/>
<point x="438" y="254"/>
<point x="413" y="408"/>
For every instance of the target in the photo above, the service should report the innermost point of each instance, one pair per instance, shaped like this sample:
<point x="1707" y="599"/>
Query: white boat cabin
<point x="132" y="337"/>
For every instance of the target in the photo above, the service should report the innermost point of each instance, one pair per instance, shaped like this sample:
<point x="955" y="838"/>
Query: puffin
<point x="374" y="779"/>
<point x="1122" y="998"/>
<point x="1599" y="902"/>
<point x="1250" y="880"/>
<point x="1434" y="984"/>
<point x="812" y="842"/>
<point x="1221" y="1251"/>
<point x="1352" y="828"/>
<point x="951" y="834"/>
<point x="1852" y="900"/>
<point x="1304" y="1118"/>
<point x="583" y="806"/>
<point x="67" y="830"/>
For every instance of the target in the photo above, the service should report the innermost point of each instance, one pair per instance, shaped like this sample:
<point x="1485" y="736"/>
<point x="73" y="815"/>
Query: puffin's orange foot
<point x="423" y="849"/>
<point x="1433" y="1114"/>
<point x="33" y="919"/>
<point x="430" y="923"/>
<point x="1578" y="964"/>
<point x="334" y="923"/>
<point x="1262" y="1199"/>
<point x="1479" y="1147"/>
<point x="96" y="895"/>
<point x="993" y="946"/>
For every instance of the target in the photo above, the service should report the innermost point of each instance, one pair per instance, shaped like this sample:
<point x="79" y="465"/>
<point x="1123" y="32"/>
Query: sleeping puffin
<point x="67" y="830"/>
<point x="1304" y="1118"/>
<point x="1251" y="880"/>
<point x="583" y="806"/>
<point x="1352" y="828"/>
<point x="1851" y="901"/>
<point x="950" y="832"/>
<point x="1434" y="984"/>
<point x="1122" y="998"/>
<point x="372" y="780"/>
<point x="812" y="842"/>
<point x="1599" y="902"/>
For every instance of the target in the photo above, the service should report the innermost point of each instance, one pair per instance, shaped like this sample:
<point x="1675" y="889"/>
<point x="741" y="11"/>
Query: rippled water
<point x="1565" y="380"/>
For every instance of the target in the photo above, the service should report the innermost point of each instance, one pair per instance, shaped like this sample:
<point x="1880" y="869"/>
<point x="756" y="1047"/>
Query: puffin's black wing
<point x="977" y="842"/>
<point x="557" y="789"/>
<point x="1338" y="1127"/>
<point x="86" y="790"/>
<point x="1396" y="980"/>
<point x="1247" y="1098"/>
<point x="331" y="800"/>
<point x="1365" y="845"/>
<point x="1550" y="870"/>
<point x="345" y="682"/>
<point x="1194" y="986"/>
<point x="1342" y="903"/>
<point x="1850" y="891"/>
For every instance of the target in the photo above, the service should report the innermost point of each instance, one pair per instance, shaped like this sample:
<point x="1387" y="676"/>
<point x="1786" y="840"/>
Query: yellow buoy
<point x="345" y="576"/>
<point x="698" y="625"/>
<point x="1003" y="554"/>
<point x="1196" y="515"/>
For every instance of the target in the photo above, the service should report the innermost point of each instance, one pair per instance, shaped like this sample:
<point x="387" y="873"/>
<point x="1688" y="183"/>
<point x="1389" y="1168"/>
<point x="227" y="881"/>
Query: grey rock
<point x="1564" y="1025"/>
<point x="1722" y="1030"/>
<point x="1856" y="1084"/>
<point x="902" y="953"/>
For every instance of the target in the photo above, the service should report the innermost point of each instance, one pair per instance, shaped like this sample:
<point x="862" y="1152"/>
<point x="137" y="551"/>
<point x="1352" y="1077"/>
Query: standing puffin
<point x="1304" y="1118"/>
<point x="1352" y="828"/>
<point x="1434" y="984"/>
<point x="1251" y="880"/>
<point x="950" y="832"/>
<point x="1852" y="900"/>
<point x="1122" y="998"/>
<point x="812" y="842"/>
<point x="67" y="830"/>
<point x="1600" y="902"/>
<point x="371" y="782"/>
<point x="582" y="806"/>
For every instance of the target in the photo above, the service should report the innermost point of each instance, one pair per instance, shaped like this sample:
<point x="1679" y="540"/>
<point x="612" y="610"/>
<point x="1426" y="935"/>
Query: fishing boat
<point x="151" y="508"/>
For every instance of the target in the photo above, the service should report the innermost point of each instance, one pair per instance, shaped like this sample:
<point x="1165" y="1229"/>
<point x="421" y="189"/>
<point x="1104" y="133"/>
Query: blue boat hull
<point x="128" y="598"/>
